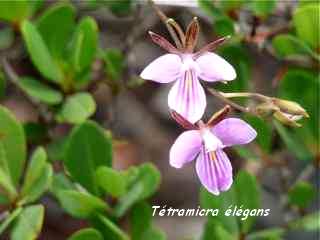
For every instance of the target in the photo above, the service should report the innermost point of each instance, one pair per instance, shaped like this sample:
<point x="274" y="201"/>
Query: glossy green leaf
<point x="307" y="223"/>
<point x="77" y="108"/>
<point x="61" y="182"/>
<point x="14" y="11"/>
<point x="239" y="58"/>
<point x="108" y="228"/>
<point x="29" y="223"/>
<point x="299" y="85"/>
<point x="14" y="143"/>
<point x="119" y="7"/>
<point x="35" y="169"/>
<point x="39" y="91"/>
<point x="294" y="144"/>
<point x="86" y="234"/>
<point x="306" y="20"/>
<point x="262" y="8"/>
<point x="56" y="25"/>
<point x="81" y="205"/>
<point x="111" y="181"/>
<point x="89" y="148"/>
<point x="264" y="130"/>
<point x="154" y="233"/>
<point x="9" y="219"/>
<point x="140" y="219"/>
<point x="221" y="202"/>
<point x="40" y="186"/>
<point x="114" y="63"/>
<point x="248" y="196"/>
<point x="144" y="184"/>
<point x="39" y="52"/>
<point x="301" y="194"/>
<point x="287" y="45"/>
<point x="223" y="26"/>
<point x="6" y="37"/>
<point x="214" y="230"/>
<point x="268" y="234"/>
<point x="6" y="185"/>
<point x="84" y="45"/>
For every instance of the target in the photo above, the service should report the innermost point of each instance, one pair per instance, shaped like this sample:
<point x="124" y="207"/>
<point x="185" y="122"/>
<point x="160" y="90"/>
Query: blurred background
<point x="274" y="48"/>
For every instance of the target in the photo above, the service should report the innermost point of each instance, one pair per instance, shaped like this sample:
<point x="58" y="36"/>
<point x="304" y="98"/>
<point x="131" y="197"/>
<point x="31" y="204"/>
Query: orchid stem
<point x="245" y="94"/>
<point x="236" y="106"/>
<point x="167" y="21"/>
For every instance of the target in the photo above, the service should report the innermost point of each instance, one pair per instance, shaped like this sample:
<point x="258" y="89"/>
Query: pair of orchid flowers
<point x="187" y="101"/>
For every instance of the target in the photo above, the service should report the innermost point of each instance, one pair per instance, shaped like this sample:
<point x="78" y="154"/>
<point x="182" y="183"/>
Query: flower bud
<point x="266" y="109"/>
<point x="290" y="107"/>
<point x="288" y="119"/>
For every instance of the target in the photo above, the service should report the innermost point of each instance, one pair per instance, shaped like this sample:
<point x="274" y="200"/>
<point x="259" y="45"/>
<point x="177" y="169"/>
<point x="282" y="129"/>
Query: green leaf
<point x="239" y="58"/>
<point x="57" y="148"/>
<point x="306" y="22"/>
<point x="301" y="194"/>
<point x="154" y="234"/>
<point x="119" y="7"/>
<point x="214" y="230"/>
<point x="84" y="44"/>
<point x="86" y="234"/>
<point x="114" y="63"/>
<point x="39" y="91"/>
<point x="9" y="219"/>
<point x="5" y="181"/>
<point x="60" y="182"/>
<point x="264" y="130"/>
<point x="224" y="26"/>
<point x="287" y="45"/>
<point x="89" y="147"/>
<point x="39" y="53"/>
<point x="291" y="88"/>
<point x="262" y="8"/>
<point x="14" y="143"/>
<point x="221" y="202"/>
<point x="108" y="228"/>
<point x="14" y="11"/>
<point x="77" y="108"/>
<point x="248" y="196"/>
<point x="146" y="182"/>
<point x="111" y="181"/>
<point x="35" y="169"/>
<point x="308" y="223"/>
<point x="243" y="194"/>
<point x="6" y="37"/>
<point x="210" y="9"/>
<point x="140" y="220"/>
<point x="268" y="234"/>
<point x="293" y="144"/>
<point x="40" y="186"/>
<point x="29" y="223"/>
<point x="81" y="205"/>
<point x="56" y="25"/>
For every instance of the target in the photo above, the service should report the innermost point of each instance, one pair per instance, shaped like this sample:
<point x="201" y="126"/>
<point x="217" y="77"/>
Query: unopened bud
<point x="290" y="107"/>
<point x="266" y="109"/>
<point x="288" y="119"/>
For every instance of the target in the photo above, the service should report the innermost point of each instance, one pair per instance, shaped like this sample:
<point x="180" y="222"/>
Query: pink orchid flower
<point x="187" y="96"/>
<point x="206" y="143"/>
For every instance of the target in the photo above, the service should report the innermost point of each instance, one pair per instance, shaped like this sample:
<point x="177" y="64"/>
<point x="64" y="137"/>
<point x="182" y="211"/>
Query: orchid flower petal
<point x="164" y="69"/>
<point x="234" y="131"/>
<point x="187" y="97"/>
<point x="215" y="68"/>
<point x="214" y="171"/>
<point x="185" y="148"/>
